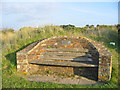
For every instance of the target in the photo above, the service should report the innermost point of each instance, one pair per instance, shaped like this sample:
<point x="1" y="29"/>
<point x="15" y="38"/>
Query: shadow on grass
<point x="12" y="56"/>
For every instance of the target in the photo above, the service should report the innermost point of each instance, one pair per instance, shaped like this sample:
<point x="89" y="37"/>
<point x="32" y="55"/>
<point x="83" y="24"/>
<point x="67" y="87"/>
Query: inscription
<point x="65" y="42"/>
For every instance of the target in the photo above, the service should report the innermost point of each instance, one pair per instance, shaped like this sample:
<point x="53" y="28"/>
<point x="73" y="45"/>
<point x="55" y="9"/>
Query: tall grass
<point x="14" y="41"/>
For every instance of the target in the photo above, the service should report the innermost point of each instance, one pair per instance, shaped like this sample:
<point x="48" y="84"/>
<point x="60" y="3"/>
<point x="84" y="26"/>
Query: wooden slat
<point x="66" y="50"/>
<point x="69" y="59"/>
<point x="65" y="54"/>
<point x="71" y="64"/>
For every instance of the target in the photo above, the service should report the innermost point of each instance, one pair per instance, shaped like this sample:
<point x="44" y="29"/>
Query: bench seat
<point x="66" y="50"/>
<point x="67" y="58"/>
<point x="62" y="63"/>
<point x="65" y="54"/>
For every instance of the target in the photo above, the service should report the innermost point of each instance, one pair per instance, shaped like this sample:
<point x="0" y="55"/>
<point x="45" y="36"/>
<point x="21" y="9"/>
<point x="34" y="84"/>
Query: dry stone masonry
<point x="66" y="55"/>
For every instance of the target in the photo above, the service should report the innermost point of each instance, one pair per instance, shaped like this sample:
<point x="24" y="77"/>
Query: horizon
<point x="31" y="14"/>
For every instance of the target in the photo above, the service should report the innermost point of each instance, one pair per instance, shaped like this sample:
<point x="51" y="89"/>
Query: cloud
<point x="18" y="8"/>
<point x="87" y="11"/>
<point x="30" y="11"/>
<point x="13" y="8"/>
<point x="92" y="12"/>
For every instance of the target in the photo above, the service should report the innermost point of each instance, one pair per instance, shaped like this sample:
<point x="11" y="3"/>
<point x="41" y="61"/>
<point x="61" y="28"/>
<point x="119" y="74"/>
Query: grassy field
<point x="17" y="40"/>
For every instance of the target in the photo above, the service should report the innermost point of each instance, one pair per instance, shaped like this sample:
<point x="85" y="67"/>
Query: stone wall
<point x="105" y="61"/>
<point x="101" y="56"/>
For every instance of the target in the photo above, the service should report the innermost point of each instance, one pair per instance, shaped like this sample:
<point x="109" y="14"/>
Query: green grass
<point x="13" y="42"/>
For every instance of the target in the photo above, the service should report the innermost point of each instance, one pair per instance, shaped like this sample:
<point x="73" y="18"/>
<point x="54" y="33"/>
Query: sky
<point x="24" y="14"/>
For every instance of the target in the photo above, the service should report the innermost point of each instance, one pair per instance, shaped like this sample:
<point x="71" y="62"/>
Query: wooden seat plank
<point x="65" y="54"/>
<point x="66" y="50"/>
<point x="71" y="64"/>
<point x="69" y="59"/>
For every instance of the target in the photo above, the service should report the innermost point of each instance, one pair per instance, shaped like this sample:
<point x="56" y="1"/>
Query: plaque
<point x="65" y="42"/>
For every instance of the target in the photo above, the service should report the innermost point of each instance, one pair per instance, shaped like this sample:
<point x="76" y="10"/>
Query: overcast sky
<point x="20" y="14"/>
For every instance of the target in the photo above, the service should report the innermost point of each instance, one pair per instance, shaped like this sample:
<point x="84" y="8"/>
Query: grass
<point x="15" y="41"/>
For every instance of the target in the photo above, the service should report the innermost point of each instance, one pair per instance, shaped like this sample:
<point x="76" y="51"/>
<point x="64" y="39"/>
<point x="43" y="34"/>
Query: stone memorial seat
<point x="67" y="55"/>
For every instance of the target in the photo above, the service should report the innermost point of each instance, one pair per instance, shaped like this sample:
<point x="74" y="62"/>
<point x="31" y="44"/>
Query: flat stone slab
<point x="62" y="80"/>
<point x="67" y="59"/>
<point x="62" y="63"/>
<point x="65" y="54"/>
<point x="66" y="50"/>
